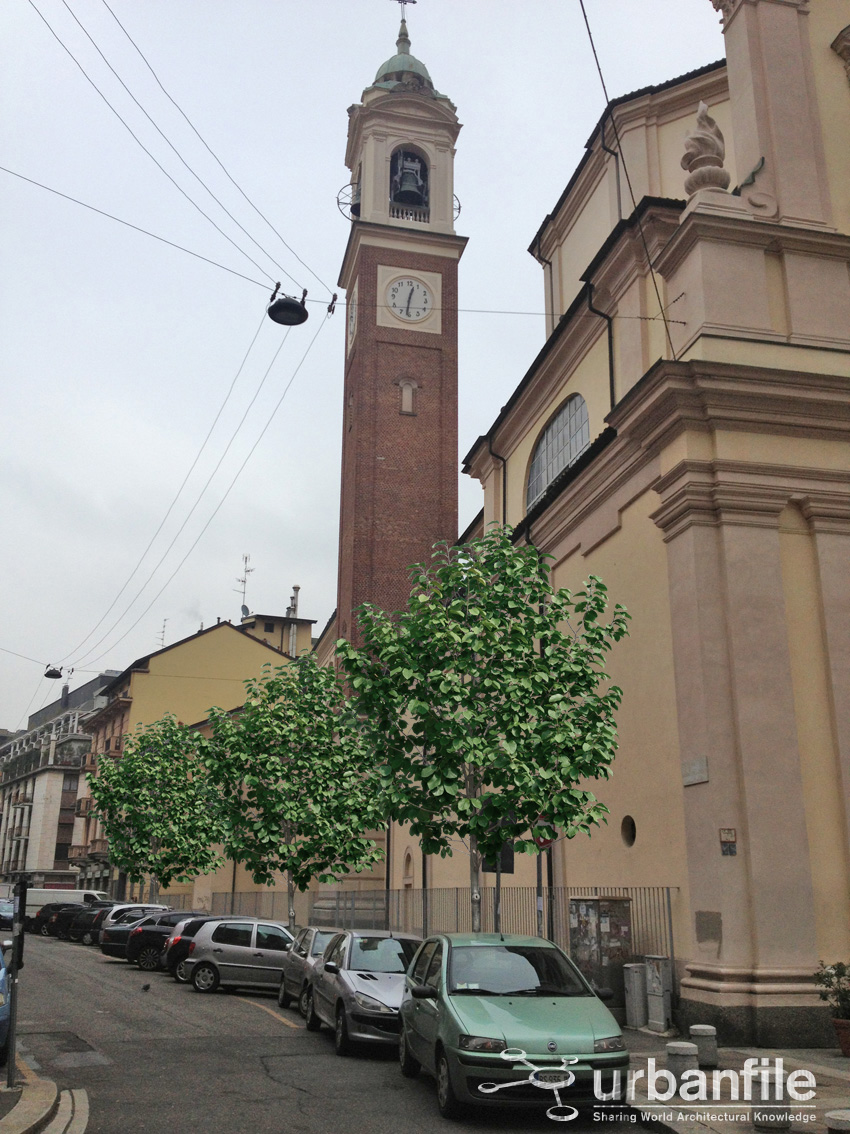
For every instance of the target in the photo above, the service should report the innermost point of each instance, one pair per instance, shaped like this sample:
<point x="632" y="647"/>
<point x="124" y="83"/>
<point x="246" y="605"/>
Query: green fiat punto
<point x="503" y="1020"/>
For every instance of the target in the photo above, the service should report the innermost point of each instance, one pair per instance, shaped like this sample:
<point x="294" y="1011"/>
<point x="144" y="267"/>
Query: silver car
<point x="298" y="964"/>
<point x="356" y="986"/>
<point x="244" y="952"/>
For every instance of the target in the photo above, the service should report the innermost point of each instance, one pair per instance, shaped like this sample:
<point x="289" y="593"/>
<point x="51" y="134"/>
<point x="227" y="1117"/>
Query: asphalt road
<point x="171" y="1059"/>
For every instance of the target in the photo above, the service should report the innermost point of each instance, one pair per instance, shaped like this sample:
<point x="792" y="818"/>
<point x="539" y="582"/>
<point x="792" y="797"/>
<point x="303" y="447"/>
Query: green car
<point x="504" y="1020"/>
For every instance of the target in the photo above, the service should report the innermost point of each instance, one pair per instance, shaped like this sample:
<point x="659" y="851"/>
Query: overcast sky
<point x="118" y="351"/>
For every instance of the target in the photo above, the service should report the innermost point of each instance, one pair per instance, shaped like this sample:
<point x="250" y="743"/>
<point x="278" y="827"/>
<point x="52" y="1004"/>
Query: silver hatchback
<point x="242" y="952"/>
<point x="356" y="986"/>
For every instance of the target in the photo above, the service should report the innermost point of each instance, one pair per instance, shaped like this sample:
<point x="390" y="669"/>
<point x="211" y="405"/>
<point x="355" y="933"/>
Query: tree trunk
<point x="497" y="904"/>
<point x="475" y="883"/>
<point x="290" y="892"/>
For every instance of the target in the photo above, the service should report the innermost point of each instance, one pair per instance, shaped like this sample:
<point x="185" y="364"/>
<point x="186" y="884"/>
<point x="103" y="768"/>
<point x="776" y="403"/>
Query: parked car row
<point x="496" y="1019"/>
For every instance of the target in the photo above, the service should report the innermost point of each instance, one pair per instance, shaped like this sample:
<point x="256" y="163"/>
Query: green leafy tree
<point x="159" y="811"/>
<point x="486" y="701"/>
<point x="296" y="778"/>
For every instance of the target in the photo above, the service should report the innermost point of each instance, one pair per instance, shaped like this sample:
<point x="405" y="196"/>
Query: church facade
<point x="682" y="433"/>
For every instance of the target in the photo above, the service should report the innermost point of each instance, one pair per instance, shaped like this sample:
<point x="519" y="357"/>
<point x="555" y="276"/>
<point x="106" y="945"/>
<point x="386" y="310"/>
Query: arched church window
<point x="563" y="440"/>
<point x="408" y="179"/>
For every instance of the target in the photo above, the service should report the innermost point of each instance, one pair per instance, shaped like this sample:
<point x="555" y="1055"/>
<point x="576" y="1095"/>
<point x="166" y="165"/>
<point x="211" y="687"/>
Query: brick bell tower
<point x="399" y="447"/>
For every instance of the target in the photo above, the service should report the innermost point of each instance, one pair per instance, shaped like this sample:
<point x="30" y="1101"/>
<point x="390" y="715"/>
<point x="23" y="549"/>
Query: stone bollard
<point x="838" y="1121"/>
<point x="681" y="1057"/>
<point x="770" y="1112"/>
<point x="705" y="1037"/>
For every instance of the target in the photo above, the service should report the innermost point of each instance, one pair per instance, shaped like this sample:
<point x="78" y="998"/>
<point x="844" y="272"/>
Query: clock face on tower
<point x="409" y="299"/>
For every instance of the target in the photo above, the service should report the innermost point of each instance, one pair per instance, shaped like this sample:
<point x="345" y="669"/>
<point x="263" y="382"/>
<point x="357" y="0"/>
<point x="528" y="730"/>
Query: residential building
<point x="40" y="777"/>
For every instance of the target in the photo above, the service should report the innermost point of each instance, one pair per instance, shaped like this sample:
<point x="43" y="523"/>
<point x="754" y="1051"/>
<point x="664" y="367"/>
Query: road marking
<point x="271" y="1012"/>
<point x="24" y="1068"/>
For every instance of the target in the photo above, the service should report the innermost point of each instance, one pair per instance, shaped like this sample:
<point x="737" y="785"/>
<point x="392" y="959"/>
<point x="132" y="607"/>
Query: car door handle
<point x="258" y="954"/>
<point x="218" y="950"/>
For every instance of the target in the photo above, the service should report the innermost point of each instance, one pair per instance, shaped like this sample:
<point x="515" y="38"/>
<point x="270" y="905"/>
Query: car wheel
<point x="148" y="959"/>
<point x="342" y="1044"/>
<point x="302" y="1002"/>
<point x="447" y="1100"/>
<point x="43" y="930"/>
<point x="310" y="1018"/>
<point x="410" y="1067"/>
<point x="205" y="978"/>
<point x="180" y="974"/>
<point x="283" y="997"/>
<point x="87" y="939"/>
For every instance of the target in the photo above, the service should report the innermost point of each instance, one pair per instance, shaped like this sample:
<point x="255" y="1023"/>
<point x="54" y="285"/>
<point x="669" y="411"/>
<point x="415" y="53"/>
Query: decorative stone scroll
<point x="705" y="151"/>
<point x="841" y="46"/>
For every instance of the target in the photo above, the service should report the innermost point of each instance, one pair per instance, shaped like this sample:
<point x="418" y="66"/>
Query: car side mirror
<point x="604" y="993"/>
<point x="331" y="967"/>
<point x="423" y="992"/>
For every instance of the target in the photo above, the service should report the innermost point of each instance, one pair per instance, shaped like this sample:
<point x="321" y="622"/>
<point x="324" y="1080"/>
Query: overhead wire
<point x="136" y="227"/>
<point x="138" y="140"/>
<point x="212" y="153"/>
<point x="226" y="494"/>
<point x="629" y="183"/>
<point x="192" y="510"/>
<point x="174" y="149"/>
<point x="177" y="495"/>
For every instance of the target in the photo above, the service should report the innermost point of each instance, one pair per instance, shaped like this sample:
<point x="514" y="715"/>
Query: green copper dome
<point x="403" y="67"/>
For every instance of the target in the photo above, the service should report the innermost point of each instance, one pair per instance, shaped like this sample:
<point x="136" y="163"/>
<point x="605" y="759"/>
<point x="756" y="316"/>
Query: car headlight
<point x="612" y="1043"/>
<point x="370" y="1004"/>
<point x="2" y="999"/>
<point x="481" y="1043"/>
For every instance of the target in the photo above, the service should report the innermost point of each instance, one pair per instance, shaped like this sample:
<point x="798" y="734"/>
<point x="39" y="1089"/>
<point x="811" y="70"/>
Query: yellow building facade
<point x="685" y="434"/>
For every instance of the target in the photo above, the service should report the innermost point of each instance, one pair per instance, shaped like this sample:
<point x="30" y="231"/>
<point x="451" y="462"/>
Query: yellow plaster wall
<point x="633" y="565"/>
<point x="581" y="243"/>
<point x="818" y="756"/>
<point x="204" y="671"/>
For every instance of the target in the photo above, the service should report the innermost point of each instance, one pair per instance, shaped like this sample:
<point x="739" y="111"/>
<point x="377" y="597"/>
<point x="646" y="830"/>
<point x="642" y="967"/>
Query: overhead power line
<point x="220" y="504"/>
<point x="213" y="154"/>
<point x="629" y="183"/>
<point x="174" y="149"/>
<point x="177" y="495"/>
<point x="138" y="140"/>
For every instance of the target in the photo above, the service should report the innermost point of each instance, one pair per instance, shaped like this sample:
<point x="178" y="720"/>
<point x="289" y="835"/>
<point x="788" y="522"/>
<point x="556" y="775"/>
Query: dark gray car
<point x="308" y="947"/>
<point x="357" y="984"/>
<point x="245" y="952"/>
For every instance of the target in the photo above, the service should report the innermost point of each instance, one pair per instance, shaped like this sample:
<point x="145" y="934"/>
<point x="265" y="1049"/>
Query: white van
<point x="37" y="898"/>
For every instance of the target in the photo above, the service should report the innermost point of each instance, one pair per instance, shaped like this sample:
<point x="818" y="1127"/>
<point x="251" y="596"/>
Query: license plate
<point x="555" y="1077"/>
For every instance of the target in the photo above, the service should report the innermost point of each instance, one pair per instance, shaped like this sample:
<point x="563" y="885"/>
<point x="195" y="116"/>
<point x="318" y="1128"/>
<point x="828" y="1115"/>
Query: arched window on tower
<point x="563" y="440"/>
<point x="407" y="395"/>
<point x="409" y="196"/>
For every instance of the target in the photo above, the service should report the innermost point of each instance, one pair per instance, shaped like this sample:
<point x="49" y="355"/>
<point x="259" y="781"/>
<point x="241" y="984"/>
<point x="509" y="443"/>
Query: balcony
<point x="77" y="851"/>
<point x="99" y="849"/>
<point x="83" y="807"/>
<point x="418" y="214"/>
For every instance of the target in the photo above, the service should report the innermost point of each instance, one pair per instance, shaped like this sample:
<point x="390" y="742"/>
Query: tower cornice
<point x="445" y="244"/>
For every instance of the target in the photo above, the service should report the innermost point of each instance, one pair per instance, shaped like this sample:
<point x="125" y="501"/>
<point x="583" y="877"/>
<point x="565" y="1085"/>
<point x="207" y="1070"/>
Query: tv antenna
<point x="162" y="634"/>
<point x="243" y="580"/>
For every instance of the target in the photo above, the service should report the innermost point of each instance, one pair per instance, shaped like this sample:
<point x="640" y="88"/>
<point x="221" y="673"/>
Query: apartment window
<point x="268" y="628"/>
<point x="563" y="440"/>
<point x="70" y="783"/>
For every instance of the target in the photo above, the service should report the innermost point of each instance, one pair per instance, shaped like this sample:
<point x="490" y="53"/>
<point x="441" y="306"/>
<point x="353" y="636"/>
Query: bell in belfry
<point x="409" y="184"/>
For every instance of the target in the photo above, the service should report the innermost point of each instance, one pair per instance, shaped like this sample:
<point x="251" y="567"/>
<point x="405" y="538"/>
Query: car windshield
<point x="513" y="970"/>
<point x="381" y="954"/>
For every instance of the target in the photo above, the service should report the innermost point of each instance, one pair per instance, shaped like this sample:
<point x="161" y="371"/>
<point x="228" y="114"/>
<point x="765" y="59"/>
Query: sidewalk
<point x="30" y="1109"/>
<point x="725" y="1116"/>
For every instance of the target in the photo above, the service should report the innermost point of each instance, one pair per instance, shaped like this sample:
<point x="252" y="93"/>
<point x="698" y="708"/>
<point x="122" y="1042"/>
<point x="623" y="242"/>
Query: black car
<point x="59" y="922"/>
<point x="176" y="947"/>
<point x="147" y="940"/>
<point x="113" y="941"/>
<point x="86" y="925"/>
<point x="40" y="920"/>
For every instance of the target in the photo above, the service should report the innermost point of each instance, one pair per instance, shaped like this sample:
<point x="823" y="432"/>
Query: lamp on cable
<point x="286" y="310"/>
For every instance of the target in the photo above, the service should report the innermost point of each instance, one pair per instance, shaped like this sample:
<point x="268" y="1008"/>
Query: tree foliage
<point x="160" y="813"/>
<point x="296" y="778"/>
<point x="486" y="701"/>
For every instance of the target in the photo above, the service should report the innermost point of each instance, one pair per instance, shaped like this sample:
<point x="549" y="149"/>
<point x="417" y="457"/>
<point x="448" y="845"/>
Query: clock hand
<point x="407" y="311"/>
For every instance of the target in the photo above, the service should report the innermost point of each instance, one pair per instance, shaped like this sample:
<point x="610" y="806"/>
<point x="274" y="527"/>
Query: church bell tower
<point x="399" y="448"/>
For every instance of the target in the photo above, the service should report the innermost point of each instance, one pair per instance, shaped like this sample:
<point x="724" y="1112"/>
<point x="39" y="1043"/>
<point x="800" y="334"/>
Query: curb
<point x="35" y="1108"/>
